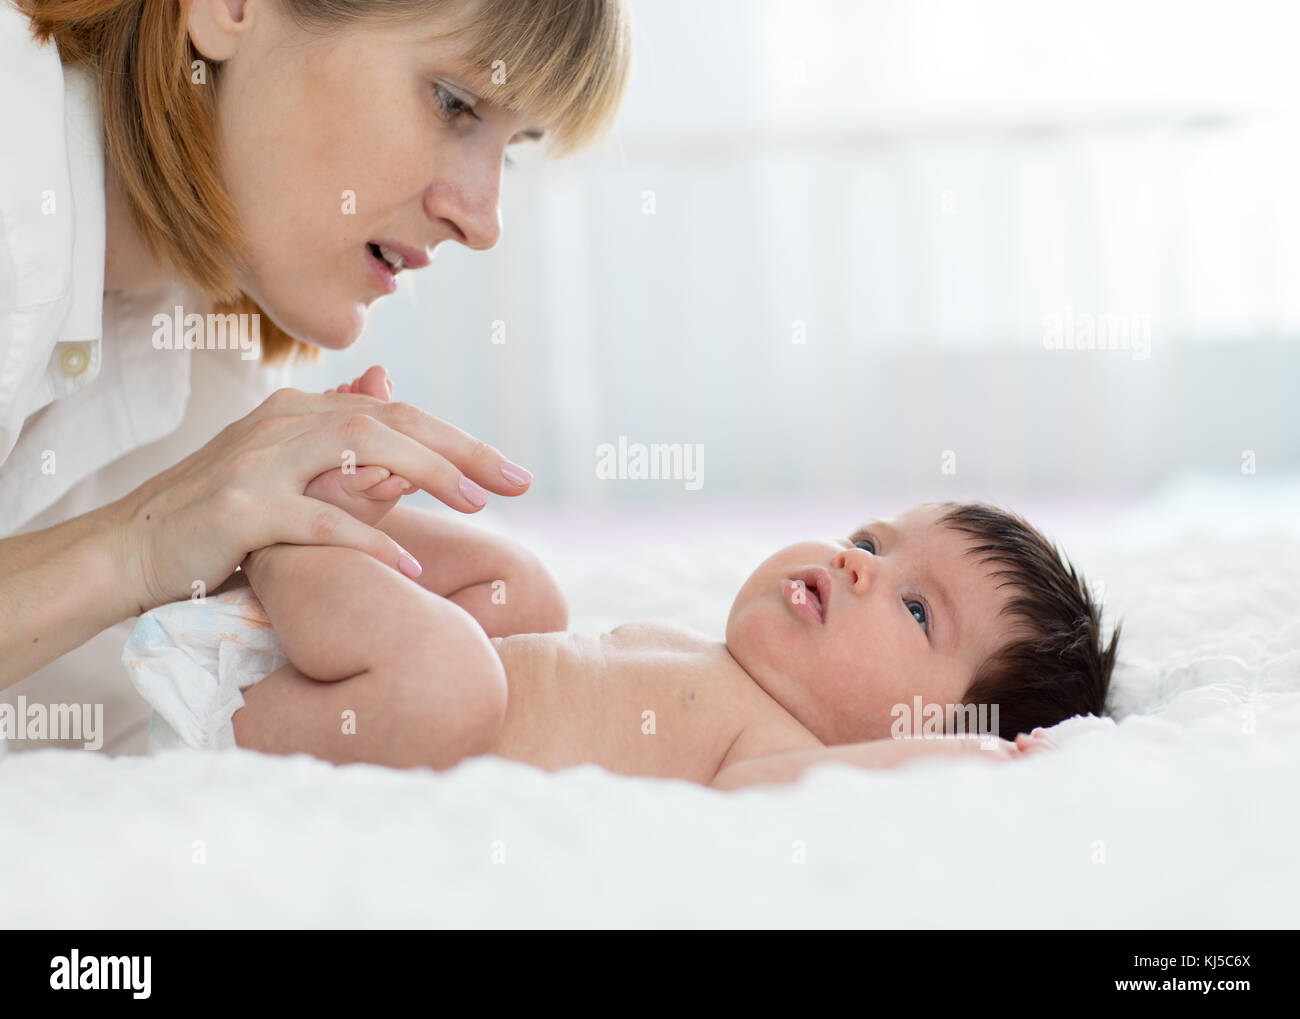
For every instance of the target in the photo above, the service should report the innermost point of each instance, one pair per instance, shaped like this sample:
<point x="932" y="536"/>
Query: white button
<point x="74" y="361"/>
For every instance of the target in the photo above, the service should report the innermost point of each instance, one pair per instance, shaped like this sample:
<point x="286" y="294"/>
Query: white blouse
<point x="89" y="409"/>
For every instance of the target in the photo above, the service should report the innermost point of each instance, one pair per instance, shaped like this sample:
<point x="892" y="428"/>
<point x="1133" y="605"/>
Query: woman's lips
<point x="380" y="272"/>
<point x="808" y="593"/>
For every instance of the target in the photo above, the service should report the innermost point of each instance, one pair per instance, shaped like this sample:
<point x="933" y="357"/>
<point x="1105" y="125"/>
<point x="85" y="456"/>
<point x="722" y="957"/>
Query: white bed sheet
<point x="1181" y="810"/>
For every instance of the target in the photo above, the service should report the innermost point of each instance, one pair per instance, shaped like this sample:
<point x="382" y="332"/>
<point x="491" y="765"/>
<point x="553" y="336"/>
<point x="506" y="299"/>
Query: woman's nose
<point x="470" y="209"/>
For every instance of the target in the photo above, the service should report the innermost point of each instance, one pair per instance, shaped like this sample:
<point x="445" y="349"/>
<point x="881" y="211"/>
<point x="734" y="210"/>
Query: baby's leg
<point x="373" y="717"/>
<point x="417" y="670"/>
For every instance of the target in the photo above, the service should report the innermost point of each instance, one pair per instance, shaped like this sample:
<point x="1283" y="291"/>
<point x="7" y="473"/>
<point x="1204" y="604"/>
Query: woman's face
<point x="331" y="144"/>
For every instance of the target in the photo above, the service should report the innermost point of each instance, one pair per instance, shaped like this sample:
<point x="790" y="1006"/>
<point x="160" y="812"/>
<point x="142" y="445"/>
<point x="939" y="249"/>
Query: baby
<point x="828" y="643"/>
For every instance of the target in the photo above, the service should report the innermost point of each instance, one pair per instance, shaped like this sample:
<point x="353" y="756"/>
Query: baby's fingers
<point x="1033" y="743"/>
<point x="364" y="479"/>
<point x="392" y="487"/>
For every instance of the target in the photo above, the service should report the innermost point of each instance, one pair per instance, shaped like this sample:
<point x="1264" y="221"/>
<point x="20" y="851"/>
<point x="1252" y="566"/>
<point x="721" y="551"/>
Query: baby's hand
<point x="370" y="492"/>
<point x="1030" y="743"/>
<point x="995" y="748"/>
<point x="373" y="382"/>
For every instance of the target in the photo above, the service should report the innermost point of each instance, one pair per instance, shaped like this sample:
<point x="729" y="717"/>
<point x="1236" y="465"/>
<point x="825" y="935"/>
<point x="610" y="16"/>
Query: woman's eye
<point x="449" y="106"/>
<point x="918" y="613"/>
<point x="866" y="544"/>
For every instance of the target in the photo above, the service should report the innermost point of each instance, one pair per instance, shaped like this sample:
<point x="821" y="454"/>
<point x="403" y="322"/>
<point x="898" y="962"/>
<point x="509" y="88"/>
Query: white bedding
<point x="1180" y="811"/>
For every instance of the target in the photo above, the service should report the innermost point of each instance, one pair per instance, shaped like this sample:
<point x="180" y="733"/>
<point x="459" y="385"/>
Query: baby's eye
<point x="918" y="613"/>
<point x="870" y="545"/>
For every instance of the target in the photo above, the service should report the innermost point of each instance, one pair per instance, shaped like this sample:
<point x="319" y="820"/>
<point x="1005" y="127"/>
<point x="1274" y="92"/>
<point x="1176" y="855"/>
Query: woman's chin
<point x="332" y="332"/>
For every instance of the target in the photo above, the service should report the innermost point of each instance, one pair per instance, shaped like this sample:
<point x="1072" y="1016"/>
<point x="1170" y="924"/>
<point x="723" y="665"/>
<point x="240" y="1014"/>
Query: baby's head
<point x="959" y="604"/>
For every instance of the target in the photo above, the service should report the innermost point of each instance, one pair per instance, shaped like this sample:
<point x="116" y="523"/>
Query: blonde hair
<point x="565" y="61"/>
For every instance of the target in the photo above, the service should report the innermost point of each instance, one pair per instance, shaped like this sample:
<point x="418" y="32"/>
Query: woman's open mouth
<point x="382" y="271"/>
<point x="388" y="256"/>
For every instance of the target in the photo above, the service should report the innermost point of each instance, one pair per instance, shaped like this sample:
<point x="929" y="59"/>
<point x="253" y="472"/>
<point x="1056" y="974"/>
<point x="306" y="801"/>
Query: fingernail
<point x="407" y="486"/>
<point x="472" y="492"/>
<point x="407" y="564"/>
<point x="514" y="473"/>
<point x="385" y="472"/>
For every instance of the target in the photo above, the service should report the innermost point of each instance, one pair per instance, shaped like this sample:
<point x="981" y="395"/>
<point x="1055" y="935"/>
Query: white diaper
<point x="191" y="660"/>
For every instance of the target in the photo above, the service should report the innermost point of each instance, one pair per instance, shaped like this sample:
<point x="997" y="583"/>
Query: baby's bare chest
<point x="644" y="699"/>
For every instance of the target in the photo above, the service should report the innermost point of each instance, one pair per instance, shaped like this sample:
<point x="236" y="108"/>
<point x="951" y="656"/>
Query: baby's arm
<point x="496" y="580"/>
<point x="421" y="679"/>
<point x="500" y="583"/>
<point x="882" y="753"/>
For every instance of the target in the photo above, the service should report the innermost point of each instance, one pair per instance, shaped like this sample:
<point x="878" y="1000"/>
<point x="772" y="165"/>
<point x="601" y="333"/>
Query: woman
<point x="280" y="160"/>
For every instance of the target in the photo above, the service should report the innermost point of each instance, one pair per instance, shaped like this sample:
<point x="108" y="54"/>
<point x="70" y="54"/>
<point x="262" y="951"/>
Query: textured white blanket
<point x="1180" y="811"/>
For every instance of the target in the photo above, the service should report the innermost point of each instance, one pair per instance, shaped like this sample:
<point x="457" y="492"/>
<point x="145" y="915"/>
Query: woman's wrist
<point x="115" y="543"/>
<point x="106" y="553"/>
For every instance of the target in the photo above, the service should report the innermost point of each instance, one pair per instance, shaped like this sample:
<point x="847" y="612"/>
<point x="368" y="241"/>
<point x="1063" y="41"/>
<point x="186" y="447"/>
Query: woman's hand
<point x="367" y="492"/>
<point x="194" y="523"/>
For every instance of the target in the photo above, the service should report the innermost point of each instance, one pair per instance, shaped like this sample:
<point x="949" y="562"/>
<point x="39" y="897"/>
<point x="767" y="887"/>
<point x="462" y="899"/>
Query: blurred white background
<point x="913" y="190"/>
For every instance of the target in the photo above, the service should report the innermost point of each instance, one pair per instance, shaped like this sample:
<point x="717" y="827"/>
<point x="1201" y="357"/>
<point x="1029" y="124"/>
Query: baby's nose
<point x="858" y="563"/>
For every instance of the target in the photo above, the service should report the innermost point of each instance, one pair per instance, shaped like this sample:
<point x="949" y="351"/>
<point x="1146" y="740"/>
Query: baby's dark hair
<point x="1056" y="665"/>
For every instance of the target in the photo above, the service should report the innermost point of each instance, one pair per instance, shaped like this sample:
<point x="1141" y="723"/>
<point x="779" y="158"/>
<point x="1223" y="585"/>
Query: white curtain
<point x="834" y="243"/>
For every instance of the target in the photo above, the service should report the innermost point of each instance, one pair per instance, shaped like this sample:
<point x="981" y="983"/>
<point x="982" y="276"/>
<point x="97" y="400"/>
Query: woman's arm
<point x="58" y="588"/>
<point x="196" y="521"/>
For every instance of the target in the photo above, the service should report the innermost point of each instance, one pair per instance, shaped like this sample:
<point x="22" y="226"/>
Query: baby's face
<point x="839" y="630"/>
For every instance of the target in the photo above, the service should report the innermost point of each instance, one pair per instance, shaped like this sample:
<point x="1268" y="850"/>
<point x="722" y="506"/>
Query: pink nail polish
<point x="472" y="492"/>
<point x="515" y="474"/>
<point x="407" y="564"/>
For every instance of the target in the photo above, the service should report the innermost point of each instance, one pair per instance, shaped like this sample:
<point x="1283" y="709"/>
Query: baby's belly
<point x="618" y="703"/>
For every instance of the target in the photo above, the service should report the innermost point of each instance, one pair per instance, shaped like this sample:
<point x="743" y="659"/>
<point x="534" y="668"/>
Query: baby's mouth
<point x="814" y="587"/>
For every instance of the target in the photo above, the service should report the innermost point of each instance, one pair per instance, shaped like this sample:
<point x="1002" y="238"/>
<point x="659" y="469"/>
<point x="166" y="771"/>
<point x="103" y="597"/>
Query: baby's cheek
<point x="757" y="640"/>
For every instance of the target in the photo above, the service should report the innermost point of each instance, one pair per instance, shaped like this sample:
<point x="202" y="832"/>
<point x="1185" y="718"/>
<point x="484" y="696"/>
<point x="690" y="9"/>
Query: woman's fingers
<point x="482" y="465"/>
<point x="312" y="522"/>
<point x="372" y="442"/>
<point x="426" y="460"/>
<point x="448" y="463"/>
